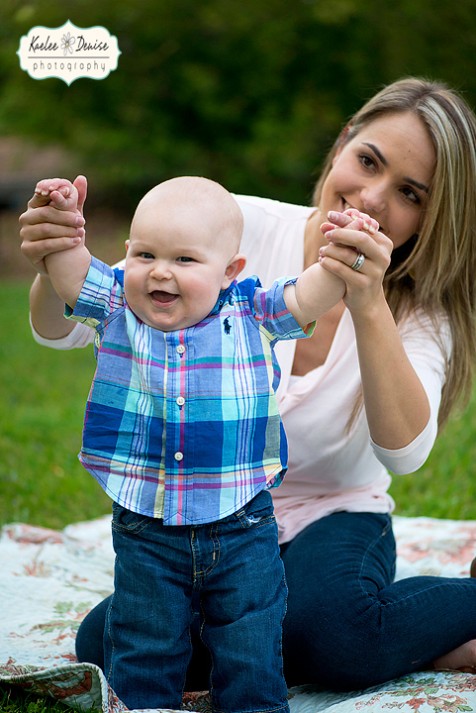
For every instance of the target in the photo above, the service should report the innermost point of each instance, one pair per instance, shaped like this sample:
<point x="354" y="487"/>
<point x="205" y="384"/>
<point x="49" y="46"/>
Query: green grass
<point x="16" y="701"/>
<point x="43" y="396"/>
<point x="42" y="405"/>
<point x="446" y="485"/>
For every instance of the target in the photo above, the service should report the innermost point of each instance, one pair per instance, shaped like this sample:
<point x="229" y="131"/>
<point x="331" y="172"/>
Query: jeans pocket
<point x="258" y="512"/>
<point x="124" y="520"/>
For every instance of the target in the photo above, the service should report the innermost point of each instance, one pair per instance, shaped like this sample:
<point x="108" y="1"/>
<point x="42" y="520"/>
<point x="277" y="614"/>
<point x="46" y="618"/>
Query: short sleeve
<point x="101" y="294"/>
<point x="271" y="311"/>
<point x="81" y="336"/>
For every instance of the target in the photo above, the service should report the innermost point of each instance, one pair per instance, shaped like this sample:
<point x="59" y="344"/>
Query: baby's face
<point x="175" y="269"/>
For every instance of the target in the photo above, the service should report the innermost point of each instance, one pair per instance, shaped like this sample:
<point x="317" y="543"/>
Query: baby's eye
<point x="146" y="256"/>
<point x="185" y="258"/>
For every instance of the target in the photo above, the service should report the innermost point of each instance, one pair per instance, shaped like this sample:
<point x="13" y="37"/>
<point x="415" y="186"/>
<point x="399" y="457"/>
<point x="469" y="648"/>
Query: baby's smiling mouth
<point x="163" y="298"/>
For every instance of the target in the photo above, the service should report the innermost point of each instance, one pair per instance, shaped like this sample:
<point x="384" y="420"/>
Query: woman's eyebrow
<point x="377" y="152"/>
<point x="384" y="162"/>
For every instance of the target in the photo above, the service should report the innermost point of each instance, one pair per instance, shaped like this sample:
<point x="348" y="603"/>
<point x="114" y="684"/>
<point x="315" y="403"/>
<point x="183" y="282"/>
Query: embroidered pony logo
<point x="227" y="325"/>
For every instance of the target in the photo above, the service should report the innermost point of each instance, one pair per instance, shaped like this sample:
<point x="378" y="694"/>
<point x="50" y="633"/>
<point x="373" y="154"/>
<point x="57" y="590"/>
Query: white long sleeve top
<point x="331" y="468"/>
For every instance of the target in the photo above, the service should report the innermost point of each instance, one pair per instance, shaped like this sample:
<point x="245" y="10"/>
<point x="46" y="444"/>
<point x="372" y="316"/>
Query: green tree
<point x="250" y="93"/>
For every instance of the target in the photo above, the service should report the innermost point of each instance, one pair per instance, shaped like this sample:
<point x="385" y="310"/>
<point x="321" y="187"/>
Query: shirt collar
<point x="224" y="296"/>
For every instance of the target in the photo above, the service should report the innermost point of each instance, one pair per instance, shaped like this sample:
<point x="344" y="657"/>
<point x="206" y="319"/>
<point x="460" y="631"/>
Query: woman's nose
<point x="374" y="199"/>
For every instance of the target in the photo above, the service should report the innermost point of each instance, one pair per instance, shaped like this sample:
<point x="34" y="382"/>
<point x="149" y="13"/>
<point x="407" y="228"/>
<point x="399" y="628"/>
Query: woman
<point x="366" y="393"/>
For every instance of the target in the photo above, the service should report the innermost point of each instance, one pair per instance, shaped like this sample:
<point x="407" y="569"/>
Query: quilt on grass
<point x="51" y="579"/>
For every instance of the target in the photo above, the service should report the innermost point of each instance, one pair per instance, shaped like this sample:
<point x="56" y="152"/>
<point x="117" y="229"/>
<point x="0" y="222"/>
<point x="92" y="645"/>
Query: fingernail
<point x="333" y="215"/>
<point x="79" y="221"/>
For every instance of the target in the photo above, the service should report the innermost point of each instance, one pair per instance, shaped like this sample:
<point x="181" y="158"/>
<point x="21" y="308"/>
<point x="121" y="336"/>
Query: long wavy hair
<point x="436" y="269"/>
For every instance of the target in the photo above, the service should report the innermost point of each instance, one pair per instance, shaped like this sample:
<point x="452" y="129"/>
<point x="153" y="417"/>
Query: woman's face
<point x="385" y="171"/>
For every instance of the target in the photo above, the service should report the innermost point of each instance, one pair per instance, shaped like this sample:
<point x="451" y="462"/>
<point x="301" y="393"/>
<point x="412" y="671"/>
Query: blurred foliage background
<point x="249" y="92"/>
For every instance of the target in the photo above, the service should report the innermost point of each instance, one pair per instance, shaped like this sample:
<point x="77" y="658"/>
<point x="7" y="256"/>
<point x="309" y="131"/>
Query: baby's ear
<point x="127" y="244"/>
<point x="233" y="269"/>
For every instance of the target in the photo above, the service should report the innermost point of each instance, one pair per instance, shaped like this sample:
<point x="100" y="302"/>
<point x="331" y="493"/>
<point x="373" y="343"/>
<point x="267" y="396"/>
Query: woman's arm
<point x="396" y="404"/>
<point x="47" y="310"/>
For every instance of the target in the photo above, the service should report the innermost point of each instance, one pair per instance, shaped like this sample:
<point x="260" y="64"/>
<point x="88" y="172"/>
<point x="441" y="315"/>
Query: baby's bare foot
<point x="461" y="659"/>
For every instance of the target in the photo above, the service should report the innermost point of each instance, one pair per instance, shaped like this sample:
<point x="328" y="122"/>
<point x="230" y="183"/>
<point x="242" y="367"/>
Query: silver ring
<point x="358" y="262"/>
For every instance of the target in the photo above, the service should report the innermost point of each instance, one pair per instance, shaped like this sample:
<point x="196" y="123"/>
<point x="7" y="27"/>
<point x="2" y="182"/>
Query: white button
<point x="180" y="349"/>
<point x="180" y="401"/>
<point x="178" y="455"/>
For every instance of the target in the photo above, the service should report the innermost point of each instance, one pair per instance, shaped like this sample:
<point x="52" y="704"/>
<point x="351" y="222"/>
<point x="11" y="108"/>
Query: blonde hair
<point x="435" y="270"/>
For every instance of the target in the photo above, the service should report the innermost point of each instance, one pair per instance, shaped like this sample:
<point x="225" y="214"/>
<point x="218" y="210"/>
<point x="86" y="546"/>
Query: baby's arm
<point x="317" y="290"/>
<point x="67" y="269"/>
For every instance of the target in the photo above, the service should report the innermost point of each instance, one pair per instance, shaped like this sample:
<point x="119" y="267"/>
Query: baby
<point x="182" y="430"/>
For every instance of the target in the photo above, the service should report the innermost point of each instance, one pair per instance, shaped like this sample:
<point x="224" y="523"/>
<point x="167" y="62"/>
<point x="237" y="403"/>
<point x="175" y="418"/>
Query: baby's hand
<point x="59" y="192"/>
<point x="352" y="219"/>
<point x="368" y="224"/>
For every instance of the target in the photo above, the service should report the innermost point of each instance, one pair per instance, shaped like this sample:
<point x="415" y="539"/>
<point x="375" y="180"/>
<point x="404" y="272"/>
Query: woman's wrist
<point x="47" y="310"/>
<point x="372" y="312"/>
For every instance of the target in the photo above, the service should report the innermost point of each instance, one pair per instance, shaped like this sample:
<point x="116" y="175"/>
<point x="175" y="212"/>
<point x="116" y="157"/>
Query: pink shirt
<point x="330" y="469"/>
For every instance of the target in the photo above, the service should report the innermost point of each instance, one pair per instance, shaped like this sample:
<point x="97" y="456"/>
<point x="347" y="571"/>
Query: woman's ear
<point x="233" y="269"/>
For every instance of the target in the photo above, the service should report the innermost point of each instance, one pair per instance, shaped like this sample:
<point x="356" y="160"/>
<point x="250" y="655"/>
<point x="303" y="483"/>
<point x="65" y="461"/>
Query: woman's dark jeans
<point x="348" y="624"/>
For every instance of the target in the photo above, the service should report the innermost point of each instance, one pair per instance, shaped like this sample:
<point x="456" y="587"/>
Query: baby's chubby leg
<point x="59" y="192"/>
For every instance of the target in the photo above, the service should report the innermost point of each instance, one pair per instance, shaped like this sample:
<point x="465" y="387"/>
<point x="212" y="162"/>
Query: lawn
<point x="43" y="397"/>
<point x="18" y="702"/>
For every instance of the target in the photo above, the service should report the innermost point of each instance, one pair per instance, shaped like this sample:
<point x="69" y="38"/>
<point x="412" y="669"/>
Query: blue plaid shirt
<point x="184" y="425"/>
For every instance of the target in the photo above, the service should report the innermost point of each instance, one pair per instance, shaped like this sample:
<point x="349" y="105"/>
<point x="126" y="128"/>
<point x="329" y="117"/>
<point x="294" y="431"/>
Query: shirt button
<point x="180" y="349"/>
<point x="180" y="401"/>
<point x="178" y="456"/>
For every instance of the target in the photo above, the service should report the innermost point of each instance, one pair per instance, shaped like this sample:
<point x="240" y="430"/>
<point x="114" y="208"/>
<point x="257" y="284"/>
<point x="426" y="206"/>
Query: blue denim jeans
<point x="351" y="623"/>
<point x="229" y="574"/>
<point x="348" y="624"/>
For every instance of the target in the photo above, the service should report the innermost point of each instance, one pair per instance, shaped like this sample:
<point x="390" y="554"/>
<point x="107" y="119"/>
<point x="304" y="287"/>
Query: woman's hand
<point x="45" y="229"/>
<point x="357" y="253"/>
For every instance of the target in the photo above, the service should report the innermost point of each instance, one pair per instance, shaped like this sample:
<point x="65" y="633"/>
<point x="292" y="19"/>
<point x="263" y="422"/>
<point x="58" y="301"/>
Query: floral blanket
<point x="51" y="579"/>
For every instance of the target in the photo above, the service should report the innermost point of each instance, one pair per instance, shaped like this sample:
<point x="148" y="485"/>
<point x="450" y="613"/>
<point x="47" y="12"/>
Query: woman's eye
<point x="366" y="161"/>
<point x="410" y="194"/>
